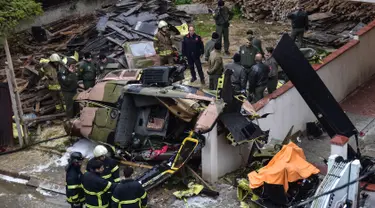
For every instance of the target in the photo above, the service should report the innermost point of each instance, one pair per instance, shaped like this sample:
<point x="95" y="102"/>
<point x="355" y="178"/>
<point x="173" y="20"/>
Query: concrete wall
<point x="342" y="72"/>
<point x="75" y="8"/>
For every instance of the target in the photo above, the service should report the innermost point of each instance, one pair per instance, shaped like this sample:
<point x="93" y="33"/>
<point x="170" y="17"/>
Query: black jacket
<point x="67" y="80"/>
<point x="111" y="170"/>
<point x="96" y="190"/>
<point x="74" y="191"/>
<point x="192" y="46"/>
<point x="238" y="77"/>
<point x="300" y="19"/>
<point x="258" y="76"/>
<point x="131" y="192"/>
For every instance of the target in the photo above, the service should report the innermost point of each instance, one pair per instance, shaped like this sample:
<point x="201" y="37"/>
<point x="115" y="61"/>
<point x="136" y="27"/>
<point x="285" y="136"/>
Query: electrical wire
<point x="334" y="190"/>
<point x="33" y="144"/>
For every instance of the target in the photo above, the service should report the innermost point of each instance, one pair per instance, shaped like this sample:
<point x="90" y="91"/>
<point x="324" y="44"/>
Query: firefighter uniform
<point x="129" y="194"/>
<point x="50" y="71"/>
<point x="87" y="72"/>
<point x="111" y="170"/>
<point x="96" y="190"/>
<point x="74" y="191"/>
<point x="163" y="47"/>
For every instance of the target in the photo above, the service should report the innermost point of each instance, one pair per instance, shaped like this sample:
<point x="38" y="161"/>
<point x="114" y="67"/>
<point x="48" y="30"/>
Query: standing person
<point x="248" y="52"/>
<point x="129" y="193"/>
<point x="111" y="170"/>
<point x="163" y="44"/>
<point x="97" y="190"/>
<point x="256" y="42"/>
<point x="210" y="45"/>
<point x="193" y="49"/>
<point x="49" y="70"/>
<point x="222" y="17"/>
<point x="274" y="69"/>
<point x="300" y="24"/>
<point x="103" y="62"/>
<point x="69" y="84"/>
<point x="87" y="71"/>
<point x="215" y="66"/>
<point x="74" y="192"/>
<point x="238" y="77"/>
<point x="258" y="78"/>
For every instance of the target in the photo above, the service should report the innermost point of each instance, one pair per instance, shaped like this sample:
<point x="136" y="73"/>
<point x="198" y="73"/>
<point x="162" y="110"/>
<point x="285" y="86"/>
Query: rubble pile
<point x="107" y="32"/>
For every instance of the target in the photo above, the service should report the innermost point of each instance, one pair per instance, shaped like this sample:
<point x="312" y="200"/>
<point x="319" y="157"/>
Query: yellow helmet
<point x="162" y="24"/>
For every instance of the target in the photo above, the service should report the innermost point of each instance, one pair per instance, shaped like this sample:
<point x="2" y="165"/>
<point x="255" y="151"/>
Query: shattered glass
<point x="142" y="49"/>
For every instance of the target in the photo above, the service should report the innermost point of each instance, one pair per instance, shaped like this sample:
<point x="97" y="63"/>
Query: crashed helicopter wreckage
<point x="143" y="114"/>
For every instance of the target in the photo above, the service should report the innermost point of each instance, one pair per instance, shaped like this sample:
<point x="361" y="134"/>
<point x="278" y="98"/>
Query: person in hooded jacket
<point x="210" y="45"/>
<point x="74" y="192"/>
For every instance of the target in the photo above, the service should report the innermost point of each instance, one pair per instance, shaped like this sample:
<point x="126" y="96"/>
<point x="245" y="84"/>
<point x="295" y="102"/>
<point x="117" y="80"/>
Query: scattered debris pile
<point x="129" y="20"/>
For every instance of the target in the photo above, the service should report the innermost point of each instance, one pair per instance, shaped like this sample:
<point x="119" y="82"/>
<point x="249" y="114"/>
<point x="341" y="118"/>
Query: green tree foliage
<point x="14" y="11"/>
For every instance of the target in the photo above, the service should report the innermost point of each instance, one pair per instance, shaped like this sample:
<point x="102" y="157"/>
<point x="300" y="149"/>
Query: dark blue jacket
<point x="192" y="46"/>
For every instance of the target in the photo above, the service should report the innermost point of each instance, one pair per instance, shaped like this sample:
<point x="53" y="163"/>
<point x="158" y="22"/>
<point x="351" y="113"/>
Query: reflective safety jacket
<point x="50" y="72"/>
<point x="129" y="194"/>
<point x="96" y="190"/>
<point x="74" y="191"/>
<point x="163" y="43"/>
<point x="111" y="170"/>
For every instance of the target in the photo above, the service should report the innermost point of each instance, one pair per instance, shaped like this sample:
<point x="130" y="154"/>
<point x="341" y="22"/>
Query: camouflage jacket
<point x="87" y="71"/>
<point x="215" y="63"/>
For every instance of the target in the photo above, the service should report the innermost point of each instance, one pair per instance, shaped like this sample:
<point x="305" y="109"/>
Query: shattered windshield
<point x="142" y="49"/>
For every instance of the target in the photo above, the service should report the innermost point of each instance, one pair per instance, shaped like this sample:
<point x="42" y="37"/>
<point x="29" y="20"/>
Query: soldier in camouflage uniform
<point x="87" y="71"/>
<point x="222" y="17"/>
<point x="69" y="83"/>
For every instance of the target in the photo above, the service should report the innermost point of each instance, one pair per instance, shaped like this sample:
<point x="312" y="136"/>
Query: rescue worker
<point x="69" y="83"/>
<point x="238" y="77"/>
<point x="74" y="192"/>
<point x="248" y="52"/>
<point x="97" y="190"/>
<point x="49" y="69"/>
<point x="300" y="24"/>
<point x="256" y="42"/>
<point x="111" y="170"/>
<point x="222" y="16"/>
<point x="193" y="49"/>
<point x="103" y="62"/>
<point x="210" y="45"/>
<point x="258" y="78"/>
<point x="129" y="193"/>
<point x="274" y="69"/>
<point x="163" y="44"/>
<point x="87" y="71"/>
<point x="215" y="66"/>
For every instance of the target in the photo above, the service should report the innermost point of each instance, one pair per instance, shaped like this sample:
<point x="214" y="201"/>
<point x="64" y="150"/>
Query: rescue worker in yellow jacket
<point x="74" y="192"/>
<point x="97" y="189"/>
<point x="111" y="170"/>
<point x="163" y="44"/>
<point x="50" y="68"/>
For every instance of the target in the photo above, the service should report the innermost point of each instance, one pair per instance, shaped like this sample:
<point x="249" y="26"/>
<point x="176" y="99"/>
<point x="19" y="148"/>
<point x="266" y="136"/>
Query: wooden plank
<point x="45" y="118"/>
<point x="118" y="30"/>
<point x="37" y="107"/>
<point x="124" y="162"/>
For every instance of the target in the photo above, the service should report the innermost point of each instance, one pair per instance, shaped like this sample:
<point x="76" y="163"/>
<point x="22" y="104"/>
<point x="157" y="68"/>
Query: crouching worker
<point x="97" y="189"/>
<point x="129" y="193"/>
<point x="111" y="170"/>
<point x="74" y="191"/>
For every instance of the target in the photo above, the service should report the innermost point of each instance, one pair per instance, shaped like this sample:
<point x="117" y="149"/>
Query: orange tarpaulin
<point x="288" y="165"/>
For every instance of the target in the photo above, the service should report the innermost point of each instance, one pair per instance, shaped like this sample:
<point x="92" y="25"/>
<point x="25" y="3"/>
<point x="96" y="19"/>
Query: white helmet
<point x="55" y="58"/>
<point x="100" y="150"/>
<point x="162" y="24"/>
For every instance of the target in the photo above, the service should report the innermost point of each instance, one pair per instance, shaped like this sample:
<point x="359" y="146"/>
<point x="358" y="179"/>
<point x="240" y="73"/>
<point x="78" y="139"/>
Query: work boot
<point x="203" y="82"/>
<point x="193" y="79"/>
<point x="227" y="53"/>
